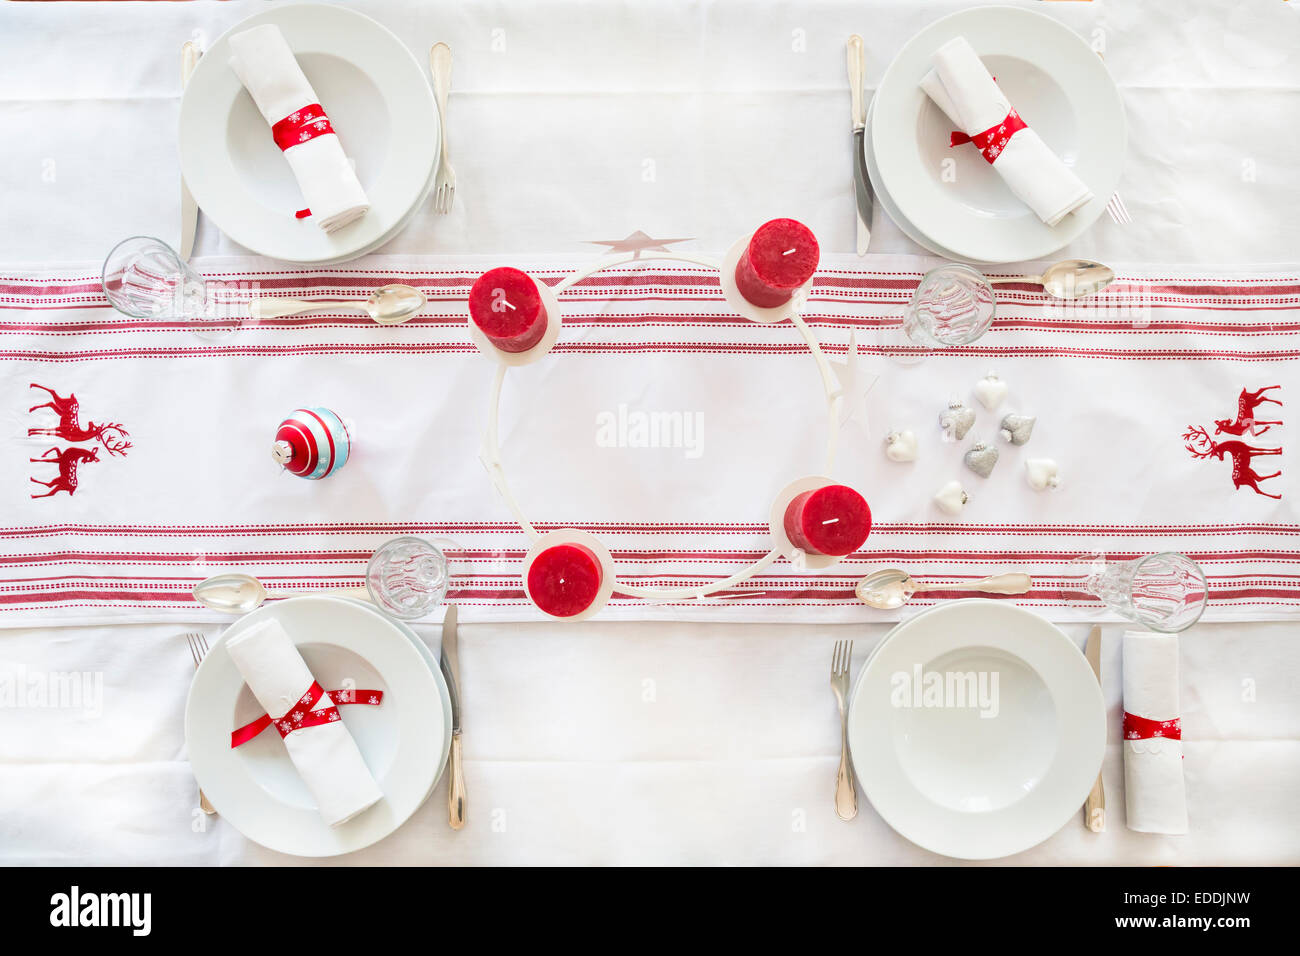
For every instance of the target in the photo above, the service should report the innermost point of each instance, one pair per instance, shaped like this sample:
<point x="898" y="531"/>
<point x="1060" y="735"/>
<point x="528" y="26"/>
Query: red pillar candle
<point x="832" y="520"/>
<point x="564" y="580"/>
<point x="506" y="305"/>
<point x="781" y="256"/>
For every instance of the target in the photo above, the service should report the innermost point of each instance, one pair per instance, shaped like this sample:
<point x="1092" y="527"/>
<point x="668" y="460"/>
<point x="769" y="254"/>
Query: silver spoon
<point x="1069" y="278"/>
<point x="387" y="305"/>
<point x="241" y="593"/>
<point x="891" y="588"/>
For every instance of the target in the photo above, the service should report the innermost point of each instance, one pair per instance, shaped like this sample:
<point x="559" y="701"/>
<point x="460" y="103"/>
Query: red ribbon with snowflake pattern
<point x="301" y="715"/>
<point x="993" y="140"/>
<point x="1144" y="728"/>
<point x="300" y="126"/>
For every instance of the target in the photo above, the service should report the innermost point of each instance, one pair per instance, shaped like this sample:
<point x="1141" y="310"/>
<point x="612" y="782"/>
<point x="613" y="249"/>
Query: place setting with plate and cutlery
<point x="912" y="388"/>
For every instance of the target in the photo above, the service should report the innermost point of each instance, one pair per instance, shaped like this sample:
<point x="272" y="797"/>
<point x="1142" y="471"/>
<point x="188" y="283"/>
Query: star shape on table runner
<point x="853" y="384"/>
<point x="636" y="243"/>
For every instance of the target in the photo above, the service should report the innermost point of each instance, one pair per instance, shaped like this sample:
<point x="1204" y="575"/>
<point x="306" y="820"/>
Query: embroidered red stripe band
<point x="301" y="714"/>
<point x="993" y="140"/>
<point x="301" y="125"/>
<point x="1143" y="728"/>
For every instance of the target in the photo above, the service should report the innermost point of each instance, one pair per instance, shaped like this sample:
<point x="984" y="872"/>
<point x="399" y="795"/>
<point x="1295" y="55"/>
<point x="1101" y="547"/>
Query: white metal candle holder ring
<point x="490" y="454"/>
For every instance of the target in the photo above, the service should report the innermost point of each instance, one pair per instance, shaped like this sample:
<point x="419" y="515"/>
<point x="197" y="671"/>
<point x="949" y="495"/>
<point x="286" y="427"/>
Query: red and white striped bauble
<point x="312" y="443"/>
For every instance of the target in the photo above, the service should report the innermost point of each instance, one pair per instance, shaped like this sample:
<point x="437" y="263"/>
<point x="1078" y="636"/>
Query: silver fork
<point x="1118" y="211"/>
<point x="846" y="796"/>
<point x="444" y="186"/>
<point x="199" y="647"/>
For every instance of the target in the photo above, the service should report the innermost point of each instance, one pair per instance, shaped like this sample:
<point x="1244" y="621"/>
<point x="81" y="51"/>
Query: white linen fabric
<point x="1154" y="794"/>
<point x="642" y="114"/>
<point x="325" y="756"/>
<point x="962" y="87"/>
<point x="269" y="71"/>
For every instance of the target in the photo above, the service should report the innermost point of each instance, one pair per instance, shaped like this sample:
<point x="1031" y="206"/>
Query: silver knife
<point x="1094" y="808"/>
<point x="450" y="666"/>
<point x="190" y="54"/>
<point x="861" y="182"/>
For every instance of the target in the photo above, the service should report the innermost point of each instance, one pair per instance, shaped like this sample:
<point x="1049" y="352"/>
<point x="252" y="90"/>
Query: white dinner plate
<point x="379" y="102"/>
<point x="891" y="208"/>
<point x="1060" y="87"/>
<point x="953" y="780"/>
<point x="404" y="740"/>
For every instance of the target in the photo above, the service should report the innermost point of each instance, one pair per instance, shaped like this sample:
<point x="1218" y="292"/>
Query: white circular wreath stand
<point x="490" y="453"/>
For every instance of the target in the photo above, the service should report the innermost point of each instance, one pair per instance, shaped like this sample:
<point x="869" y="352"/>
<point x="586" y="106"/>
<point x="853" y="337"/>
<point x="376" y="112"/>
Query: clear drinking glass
<point x="145" y="279"/>
<point x="408" y="577"/>
<point x="952" y="305"/>
<point x="1165" y="592"/>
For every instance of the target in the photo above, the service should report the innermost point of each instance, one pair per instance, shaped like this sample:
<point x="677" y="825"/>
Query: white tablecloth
<point x="638" y="742"/>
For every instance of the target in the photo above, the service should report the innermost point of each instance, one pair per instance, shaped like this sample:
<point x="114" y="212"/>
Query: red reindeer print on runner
<point x="68" y="459"/>
<point x="1246" y="420"/>
<point x="110" y="434"/>
<point x="1241" y="453"/>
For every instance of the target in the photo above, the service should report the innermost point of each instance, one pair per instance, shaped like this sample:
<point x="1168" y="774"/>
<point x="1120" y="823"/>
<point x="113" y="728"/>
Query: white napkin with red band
<point x="962" y="87"/>
<point x="262" y="60"/>
<point x="1154" y="794"/>
<point x="325" y="756"/>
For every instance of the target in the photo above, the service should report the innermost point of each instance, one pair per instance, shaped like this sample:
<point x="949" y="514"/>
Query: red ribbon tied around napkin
<point x="301" y="125"/>
<point x="993" y="140"/>
<point x="301" y="715"/>
<point x="1142" y="728"/>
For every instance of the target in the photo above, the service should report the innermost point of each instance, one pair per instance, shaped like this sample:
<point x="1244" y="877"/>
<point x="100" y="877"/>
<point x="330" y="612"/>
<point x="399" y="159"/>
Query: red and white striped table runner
<point x="189" y="488"/>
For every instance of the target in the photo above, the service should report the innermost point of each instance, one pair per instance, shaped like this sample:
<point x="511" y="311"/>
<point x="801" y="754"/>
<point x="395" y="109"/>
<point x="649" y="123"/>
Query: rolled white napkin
<point x="325" y="755"/>
<point x="1154" y="795"/>
<point x="266" y="66"/>
<point x="961" y="86"/>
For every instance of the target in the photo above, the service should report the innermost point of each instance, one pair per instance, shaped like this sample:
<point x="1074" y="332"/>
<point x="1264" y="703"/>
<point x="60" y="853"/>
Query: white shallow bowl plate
<point x="1058" y="85"/>
<point x="379" y="102"/>
<point x="891" y="208"/>
<point x="404" y="740"/>
<point x="969" y="786"/>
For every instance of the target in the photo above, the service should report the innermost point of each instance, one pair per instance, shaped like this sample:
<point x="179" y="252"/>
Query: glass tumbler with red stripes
<point x="408" y="577"/>
<point x="1165" y="592"/>
<point x="952" y="305"/>
<point x="144" y="278"/>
